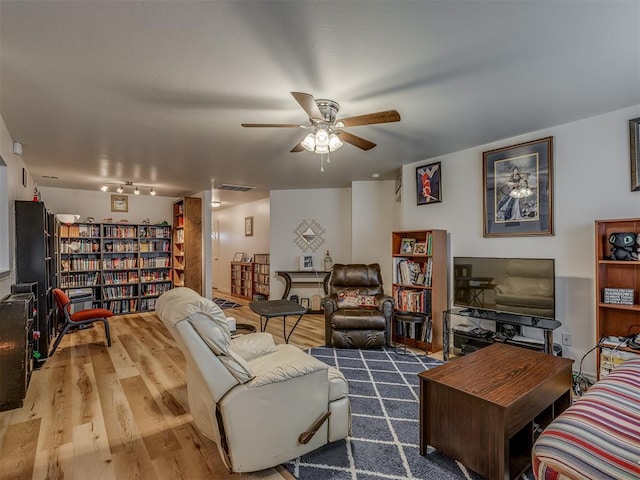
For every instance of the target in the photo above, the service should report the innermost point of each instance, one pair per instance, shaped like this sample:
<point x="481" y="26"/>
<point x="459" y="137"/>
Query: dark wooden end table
<point x="278" y="308"/>
<point x="480" y="409"/>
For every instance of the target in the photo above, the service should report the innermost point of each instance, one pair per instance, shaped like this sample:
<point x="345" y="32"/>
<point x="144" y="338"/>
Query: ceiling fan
<point x="328" y="134"/>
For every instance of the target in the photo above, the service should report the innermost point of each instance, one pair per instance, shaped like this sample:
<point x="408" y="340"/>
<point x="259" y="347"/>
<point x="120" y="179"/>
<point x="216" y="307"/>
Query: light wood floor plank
<point x="17" y="451"/>
<point x="154" y="428"/>
<point x="121" y="412"/>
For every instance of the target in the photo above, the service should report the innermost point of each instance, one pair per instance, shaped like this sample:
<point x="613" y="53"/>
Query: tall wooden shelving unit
<point x="426" y="294"/>
<point x="613" y="319"/>
<point x="261" y="274"/>
<point x="242" y="280"/>
<point x="125" y="267"/>
<point x="187" y="243"/>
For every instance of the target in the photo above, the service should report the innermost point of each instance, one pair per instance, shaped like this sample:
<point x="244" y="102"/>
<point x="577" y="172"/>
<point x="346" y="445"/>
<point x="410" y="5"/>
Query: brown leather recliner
<point x="357" y="313"/>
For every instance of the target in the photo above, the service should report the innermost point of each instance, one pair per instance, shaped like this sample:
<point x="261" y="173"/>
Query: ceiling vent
<point x="234" y="188"/>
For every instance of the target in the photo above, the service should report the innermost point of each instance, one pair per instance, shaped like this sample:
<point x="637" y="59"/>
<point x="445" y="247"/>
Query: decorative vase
<point x="328" y="263"/>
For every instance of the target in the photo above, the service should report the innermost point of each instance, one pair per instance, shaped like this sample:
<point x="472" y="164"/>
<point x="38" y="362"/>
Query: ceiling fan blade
<point x="355" y="140"/>
<point x="297" y="148"/>
<point x="371" y="118"/>
<point x="278" y="125"/>
<point x="308" y="104"/>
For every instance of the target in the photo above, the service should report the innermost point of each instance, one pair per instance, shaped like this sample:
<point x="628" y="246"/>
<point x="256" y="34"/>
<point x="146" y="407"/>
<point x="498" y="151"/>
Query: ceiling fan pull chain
<point x="329" y="157"/>
<point x="322" y="163"/>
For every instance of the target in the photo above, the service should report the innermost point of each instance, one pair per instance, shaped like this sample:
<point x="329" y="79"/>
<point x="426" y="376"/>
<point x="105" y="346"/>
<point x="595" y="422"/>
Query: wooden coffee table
<point x="480" y="409"/>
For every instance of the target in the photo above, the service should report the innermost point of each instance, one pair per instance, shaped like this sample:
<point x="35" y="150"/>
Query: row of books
<point x="156" y="276"/>
<point x="155" y="262"/>
<point x="155" y="231"/>
<point x="409" y="272"/>
<point x="422" y="333"/>
<point x="121" y="247"/>
<point x="155" y="289"/>
<point x="79" y="231"/>
<point x="79" y="279"/>
<point x="79" y="264"/>
<point x="120" y="263"/>
<point x="122" y="306"/>
<point x="120" y="231"/>
<point x="119" y="291"/>
<point x="79" y="246"/>
<point x="155" y="246"/>
<point x="412" y="300"/>
<point x="115" y="278"/>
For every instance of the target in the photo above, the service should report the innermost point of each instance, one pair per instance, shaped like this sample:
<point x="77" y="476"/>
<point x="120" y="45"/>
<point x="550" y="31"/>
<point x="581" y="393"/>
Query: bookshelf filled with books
<point x="420" y="284"/>
<point x="123" y="267"/>
<point x="261" y="275"/>
<point x="187" y="243"/>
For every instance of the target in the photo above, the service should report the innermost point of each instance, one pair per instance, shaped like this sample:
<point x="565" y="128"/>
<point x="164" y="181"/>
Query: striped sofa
<point x="598" y="437"/>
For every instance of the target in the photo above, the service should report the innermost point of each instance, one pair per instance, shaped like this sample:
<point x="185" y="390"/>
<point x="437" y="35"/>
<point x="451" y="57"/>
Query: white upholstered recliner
<point x="260" y="402"/>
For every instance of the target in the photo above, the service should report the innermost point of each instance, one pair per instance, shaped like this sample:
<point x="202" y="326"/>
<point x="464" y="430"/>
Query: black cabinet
<point x="36" y="262"/>
<point x="16" y="354"/>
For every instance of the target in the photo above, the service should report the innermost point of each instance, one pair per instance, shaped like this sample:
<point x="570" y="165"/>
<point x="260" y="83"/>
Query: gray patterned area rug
<point x="384" y="442"/>
<point x="222" y="303"/>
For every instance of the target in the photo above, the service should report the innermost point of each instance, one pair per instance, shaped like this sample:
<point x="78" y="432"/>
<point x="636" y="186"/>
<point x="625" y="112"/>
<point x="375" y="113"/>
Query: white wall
<point x="16" y="191"/>
<point x="97" y="204"/>
<point x="230" y="225"/>
<point x="331" y="208"/>
<point x="372" y="221"/>
<point x="591" y="181"/>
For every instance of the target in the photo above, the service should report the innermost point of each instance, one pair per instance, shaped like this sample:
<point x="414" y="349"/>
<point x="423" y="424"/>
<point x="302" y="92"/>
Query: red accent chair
<point x="83" y="317"/>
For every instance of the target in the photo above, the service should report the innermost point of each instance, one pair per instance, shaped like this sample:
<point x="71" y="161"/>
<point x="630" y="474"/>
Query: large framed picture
<point x="428" y="183"/>
<point x="634" y="144"/>
<point x="518" y="186"/>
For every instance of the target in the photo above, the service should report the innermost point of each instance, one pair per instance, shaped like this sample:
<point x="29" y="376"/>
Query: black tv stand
<point x="547" y="325"/>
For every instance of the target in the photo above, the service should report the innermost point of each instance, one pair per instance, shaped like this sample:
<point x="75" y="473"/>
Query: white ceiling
<point x="154" y="92"/>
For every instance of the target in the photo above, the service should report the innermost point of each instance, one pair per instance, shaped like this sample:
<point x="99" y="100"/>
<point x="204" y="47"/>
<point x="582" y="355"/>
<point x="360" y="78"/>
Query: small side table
<point x="406" y="319"/>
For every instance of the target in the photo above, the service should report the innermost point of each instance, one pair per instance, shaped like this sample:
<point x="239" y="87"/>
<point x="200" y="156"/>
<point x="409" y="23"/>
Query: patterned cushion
<point x="598" y="437"/>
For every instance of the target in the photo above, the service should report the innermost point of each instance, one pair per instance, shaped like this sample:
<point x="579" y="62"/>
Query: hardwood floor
<point x="93" y="412"/>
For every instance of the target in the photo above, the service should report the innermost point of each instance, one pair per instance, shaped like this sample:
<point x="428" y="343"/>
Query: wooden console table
<point x="304" y="276"/>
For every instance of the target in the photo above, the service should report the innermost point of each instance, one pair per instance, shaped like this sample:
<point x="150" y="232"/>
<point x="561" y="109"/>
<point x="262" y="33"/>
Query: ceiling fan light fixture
<point x="309" y="142"/>
<point x="322" y="138"/>
<point x="322" y="149"/>
<point x="334" y="142"/>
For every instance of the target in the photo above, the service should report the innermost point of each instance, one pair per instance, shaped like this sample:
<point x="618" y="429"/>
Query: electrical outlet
<point x="566" y="339"/>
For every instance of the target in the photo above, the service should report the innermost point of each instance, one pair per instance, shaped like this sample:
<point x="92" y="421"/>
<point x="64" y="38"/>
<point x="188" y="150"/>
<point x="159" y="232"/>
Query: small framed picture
<point x="428" y="183"/>
<point x="304" y="302"/>
<point x="407" y="245"/>
<point x="248" y="226"/>
<point x="305" y="263"/>
<point x="420" y="248"/>
<point x="238" y="257"/>
<point x="119" y="203"/>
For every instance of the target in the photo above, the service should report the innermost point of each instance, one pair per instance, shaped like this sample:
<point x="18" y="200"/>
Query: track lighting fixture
<point x="121" y="187"/>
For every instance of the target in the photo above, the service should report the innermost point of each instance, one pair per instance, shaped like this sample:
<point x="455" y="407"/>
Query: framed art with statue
<point x="518" y="186"/>
<point x="634" y="150"/>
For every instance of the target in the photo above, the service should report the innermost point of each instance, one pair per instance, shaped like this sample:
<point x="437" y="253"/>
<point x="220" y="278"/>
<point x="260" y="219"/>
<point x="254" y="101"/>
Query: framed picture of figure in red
<point x="429" y="183"/>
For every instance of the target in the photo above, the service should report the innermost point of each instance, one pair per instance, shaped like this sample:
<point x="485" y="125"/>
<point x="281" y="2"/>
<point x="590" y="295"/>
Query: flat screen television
<point x="518" y="286"/>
